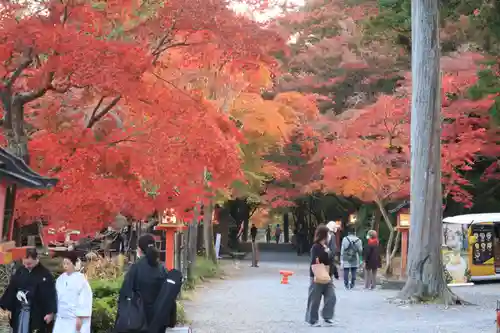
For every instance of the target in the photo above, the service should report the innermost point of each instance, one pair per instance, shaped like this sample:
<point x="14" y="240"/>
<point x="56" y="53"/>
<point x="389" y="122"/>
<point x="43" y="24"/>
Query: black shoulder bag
<point x="131" y="316"/>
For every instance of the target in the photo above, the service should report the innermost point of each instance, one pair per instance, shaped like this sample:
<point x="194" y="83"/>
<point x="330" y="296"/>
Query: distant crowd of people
<point x="35" y="302"/>
<point x="323" y="268"/>
<point x="269" y="232"/>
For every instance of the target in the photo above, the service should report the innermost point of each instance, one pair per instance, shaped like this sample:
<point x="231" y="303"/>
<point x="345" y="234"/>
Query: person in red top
<point x="371" y="259"/>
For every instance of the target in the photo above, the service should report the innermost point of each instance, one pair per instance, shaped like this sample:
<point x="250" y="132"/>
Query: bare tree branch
<point x="24" y="64"/>
<point x="98" y="115"/>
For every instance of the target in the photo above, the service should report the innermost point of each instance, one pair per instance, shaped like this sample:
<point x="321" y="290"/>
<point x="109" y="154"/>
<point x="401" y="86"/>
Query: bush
<point x="203" y="269"/>
<point x="99" y="267"/>
<point x="105" y="304"/>
<point x="181" y="313"/>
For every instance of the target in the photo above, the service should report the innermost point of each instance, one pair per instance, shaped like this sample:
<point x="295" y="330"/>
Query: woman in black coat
<point x="372" y="260"/>
<point x="146" y="277"/>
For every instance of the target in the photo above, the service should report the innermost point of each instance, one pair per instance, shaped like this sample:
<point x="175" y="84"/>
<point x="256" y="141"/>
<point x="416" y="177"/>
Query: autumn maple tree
<point x="88" y="98"/>
<point x="366" y="152"/>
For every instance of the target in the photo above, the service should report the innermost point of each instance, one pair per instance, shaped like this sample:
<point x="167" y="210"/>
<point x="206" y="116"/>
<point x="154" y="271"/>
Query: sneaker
<point x="329" y="322"/>
<point x="316" y="324"/>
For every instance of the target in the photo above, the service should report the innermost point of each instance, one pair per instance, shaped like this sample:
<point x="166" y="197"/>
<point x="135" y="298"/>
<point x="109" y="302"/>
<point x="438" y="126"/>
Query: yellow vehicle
<point x="471" y="247"/>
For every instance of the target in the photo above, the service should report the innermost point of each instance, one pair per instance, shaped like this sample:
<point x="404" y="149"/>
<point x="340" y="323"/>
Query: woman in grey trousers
<point x="319" y="252"/>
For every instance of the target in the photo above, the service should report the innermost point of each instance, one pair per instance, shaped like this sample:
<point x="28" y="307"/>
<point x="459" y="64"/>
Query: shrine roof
<point x="15" y="170"/>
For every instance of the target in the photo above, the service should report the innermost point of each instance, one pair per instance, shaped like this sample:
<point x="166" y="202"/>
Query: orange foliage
<point x="368" y="155"/>
<point x="112" y="120"/>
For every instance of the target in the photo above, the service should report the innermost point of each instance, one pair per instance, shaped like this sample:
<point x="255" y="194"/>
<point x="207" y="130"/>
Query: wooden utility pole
<point x="425" y="264"/>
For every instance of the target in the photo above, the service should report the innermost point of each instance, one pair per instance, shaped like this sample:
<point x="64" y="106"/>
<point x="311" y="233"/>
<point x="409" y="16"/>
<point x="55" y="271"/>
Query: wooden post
<point x="170" y="229"/>
<point x="3" y="194"/>
<point x="170" y="248"/>
<point x="31" y="240"/>
<point x="286" y="227"/>
<point x="255" y="255"/>
<point x="404" y="251"/>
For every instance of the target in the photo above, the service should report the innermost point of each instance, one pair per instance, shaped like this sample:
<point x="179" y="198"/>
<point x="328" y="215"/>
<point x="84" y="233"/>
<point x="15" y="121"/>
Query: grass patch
<point x="204" y="269"/>
<point x="181" y="314"/>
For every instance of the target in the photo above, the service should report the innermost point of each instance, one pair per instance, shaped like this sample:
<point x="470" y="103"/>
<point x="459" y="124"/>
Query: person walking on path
<point x="146" y="278"/>
<point x="74" y="299"/>
<point x="268" y="234"/>
<point x="332" y="248"/>
<point x="350" y="254"/>
<point x="253" y="232"/>
<point x="319" y="254"/>
<point x="277" y="233"/>
<point x="372" y="260"/>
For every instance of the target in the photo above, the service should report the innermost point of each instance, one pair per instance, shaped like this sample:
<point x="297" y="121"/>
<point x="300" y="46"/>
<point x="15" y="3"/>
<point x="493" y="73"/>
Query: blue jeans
<point x="353" y="271"/>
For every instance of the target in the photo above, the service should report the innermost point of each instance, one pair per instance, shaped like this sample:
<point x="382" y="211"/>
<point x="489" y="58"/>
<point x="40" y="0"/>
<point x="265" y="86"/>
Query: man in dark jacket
<point x="30" y="297"/>
<point x="332" y="247"/>
<point x="253" y="232"/>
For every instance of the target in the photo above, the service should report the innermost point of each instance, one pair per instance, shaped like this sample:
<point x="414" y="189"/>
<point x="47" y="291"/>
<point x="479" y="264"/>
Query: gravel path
<point x="253" y="301"/>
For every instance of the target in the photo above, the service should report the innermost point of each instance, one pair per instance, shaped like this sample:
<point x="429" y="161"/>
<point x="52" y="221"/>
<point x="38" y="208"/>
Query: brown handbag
<point x="321" y="273"/>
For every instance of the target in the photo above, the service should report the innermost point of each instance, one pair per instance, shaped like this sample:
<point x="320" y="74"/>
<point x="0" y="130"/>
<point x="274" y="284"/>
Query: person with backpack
<point x="350" y="254"/>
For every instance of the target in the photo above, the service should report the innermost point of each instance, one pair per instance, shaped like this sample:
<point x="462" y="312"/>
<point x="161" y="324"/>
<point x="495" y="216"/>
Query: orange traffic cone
<point x="284" y="276"/>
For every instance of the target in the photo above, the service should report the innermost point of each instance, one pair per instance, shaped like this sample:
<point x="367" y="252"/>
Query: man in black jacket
<point x="253" y="232"/>
<point x="30" y="297"/>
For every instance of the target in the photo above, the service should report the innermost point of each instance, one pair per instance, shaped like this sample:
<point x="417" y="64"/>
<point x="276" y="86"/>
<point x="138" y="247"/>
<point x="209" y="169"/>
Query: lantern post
<point x="170" y="225"/>
<point x="403" y="226"/>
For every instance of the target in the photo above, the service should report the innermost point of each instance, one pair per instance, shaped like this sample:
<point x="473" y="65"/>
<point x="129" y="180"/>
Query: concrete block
<point x="179" y="329"/>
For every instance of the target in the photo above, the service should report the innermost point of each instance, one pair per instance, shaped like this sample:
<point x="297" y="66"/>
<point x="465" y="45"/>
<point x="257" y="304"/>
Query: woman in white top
<point x="74" y="299"/>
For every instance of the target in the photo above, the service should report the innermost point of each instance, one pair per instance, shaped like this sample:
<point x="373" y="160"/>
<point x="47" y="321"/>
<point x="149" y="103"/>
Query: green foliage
<point x="104" y="305"/>
<point x="394" y="22"/>
<point x="203" y="269"/>
<point x="488" y="84"/>
<point x="467" y="275"/>
<point x="181" y="313"/>
<point x="485" y="24"/>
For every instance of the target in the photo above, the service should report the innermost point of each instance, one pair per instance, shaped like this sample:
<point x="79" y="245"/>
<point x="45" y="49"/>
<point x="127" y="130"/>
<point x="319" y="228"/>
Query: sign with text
<point x="482" y="251"/>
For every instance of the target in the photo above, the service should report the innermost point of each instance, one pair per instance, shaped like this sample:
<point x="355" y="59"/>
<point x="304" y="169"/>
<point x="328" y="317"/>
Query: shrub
<point x="203" y="269"/>
<point x="98" y="267"/>
<point x="105" y="304"/>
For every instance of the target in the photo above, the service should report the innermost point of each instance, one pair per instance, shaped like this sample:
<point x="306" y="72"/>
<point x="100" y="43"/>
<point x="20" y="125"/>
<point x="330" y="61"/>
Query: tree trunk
<point x="286" y="228"/>
<point x="245" y="211"/>
<point x="391" y="246"/>
<point x="192" y="245"/>
<point x="15" y="134"/>
<point x="425" y="264"/>
<point x="376" y="220"/>
<point x="389" y="269"/>
<point x="208" y="232"/>
<point x="17" y="143"/>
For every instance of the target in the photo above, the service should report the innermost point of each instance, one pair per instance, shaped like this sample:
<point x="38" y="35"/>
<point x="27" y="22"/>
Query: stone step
<point x="179" y="329"/>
